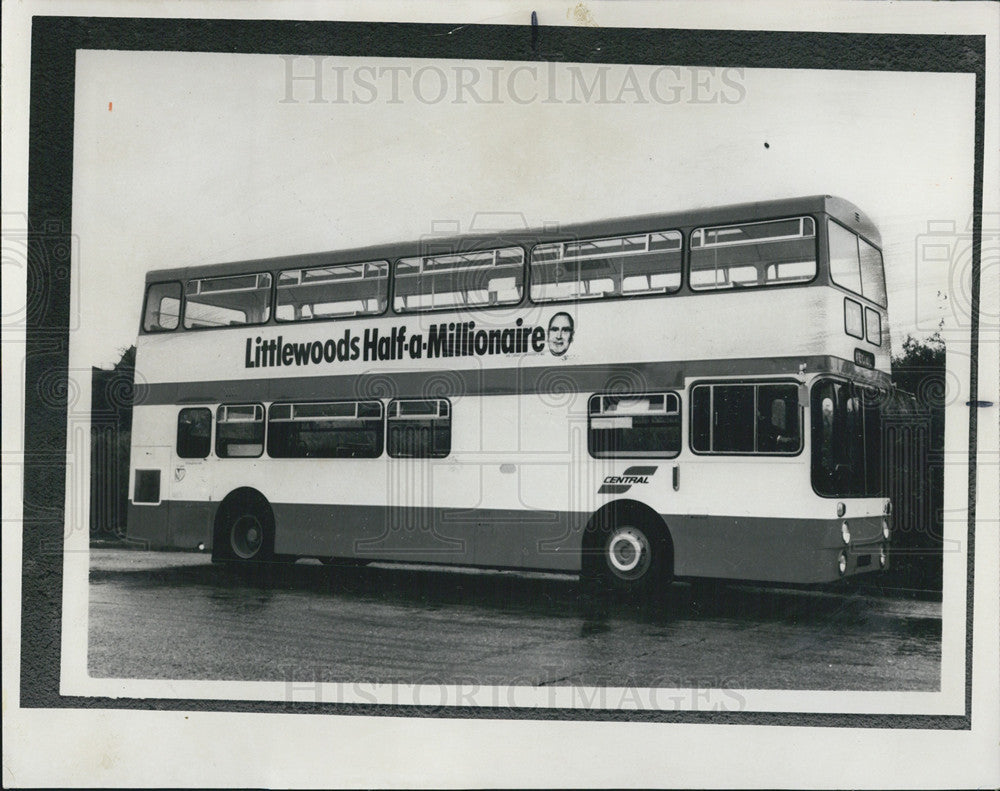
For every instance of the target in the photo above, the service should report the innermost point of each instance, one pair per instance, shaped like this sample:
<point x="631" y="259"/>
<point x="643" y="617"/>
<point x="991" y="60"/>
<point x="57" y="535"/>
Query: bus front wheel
<point x="628" y="555"/>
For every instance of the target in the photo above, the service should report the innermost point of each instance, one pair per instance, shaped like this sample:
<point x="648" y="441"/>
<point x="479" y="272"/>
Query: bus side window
<point x="648" y="263"/>
<point x="163" y="307"/>
<point x="227" y="301"/>
<point x="419" y="429"/>
<point x="640" y="425"/>
<point x="778" y="425"/>
<point x="332" y="291"/>
<point x="239" y="431"/>
<point x="194" y="433"/>
<point x="753" y="254"/>
<point x="325" y="430"/>
<point x="473" y="279"/>
<point x="746" y="418"/>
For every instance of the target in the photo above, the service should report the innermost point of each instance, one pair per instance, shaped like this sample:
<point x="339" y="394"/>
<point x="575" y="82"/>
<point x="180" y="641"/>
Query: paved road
<point x="175" y="615"/>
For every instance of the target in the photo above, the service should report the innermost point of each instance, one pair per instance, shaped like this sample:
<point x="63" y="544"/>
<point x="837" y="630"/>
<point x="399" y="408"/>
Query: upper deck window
<point x="872" y="273"/>
<point x="464" y="280"/>
<point x="620" y="266"/>
<point x="163" y="307"/>
<point x="855" y="264"/>
<point x="227" y="301"/>
<point x="772" y="253"/>
<point x="328" y="292"/>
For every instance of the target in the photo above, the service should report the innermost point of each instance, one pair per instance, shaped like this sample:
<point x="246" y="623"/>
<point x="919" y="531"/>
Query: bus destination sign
<point x="864" y="358"/>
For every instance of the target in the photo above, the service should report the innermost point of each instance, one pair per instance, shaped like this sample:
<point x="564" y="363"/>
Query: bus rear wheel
<point x="246" y="536"/>
<point x="244" y="530"/>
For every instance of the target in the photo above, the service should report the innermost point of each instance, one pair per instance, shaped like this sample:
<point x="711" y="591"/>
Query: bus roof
<point x="838" y="208"/>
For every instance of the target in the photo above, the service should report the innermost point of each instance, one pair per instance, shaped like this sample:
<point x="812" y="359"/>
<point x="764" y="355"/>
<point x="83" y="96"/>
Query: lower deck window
<point x="419" y="428"/>
<point x="746" y="418"/>
<point x="194" y="433"/>
<point x="334" y="430"/>
<point x="240" y="431"/>
<point x="644" y="425"/>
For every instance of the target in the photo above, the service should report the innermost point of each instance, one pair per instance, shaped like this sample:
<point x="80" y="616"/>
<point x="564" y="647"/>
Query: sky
<point x="194" y="158"/>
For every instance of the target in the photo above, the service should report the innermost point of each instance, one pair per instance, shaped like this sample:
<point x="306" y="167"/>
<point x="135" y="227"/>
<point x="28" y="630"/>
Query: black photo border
<point x="54" y="44"/>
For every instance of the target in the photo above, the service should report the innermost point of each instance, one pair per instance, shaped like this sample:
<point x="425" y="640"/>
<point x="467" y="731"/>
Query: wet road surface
<point x="178" y="616"/>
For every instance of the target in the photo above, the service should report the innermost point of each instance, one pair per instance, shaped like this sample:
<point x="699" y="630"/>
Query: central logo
<point x="619" y="484"/>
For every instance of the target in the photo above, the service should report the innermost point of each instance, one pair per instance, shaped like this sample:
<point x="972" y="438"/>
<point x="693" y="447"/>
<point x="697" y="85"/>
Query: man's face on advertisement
<point x="560" y="334"/>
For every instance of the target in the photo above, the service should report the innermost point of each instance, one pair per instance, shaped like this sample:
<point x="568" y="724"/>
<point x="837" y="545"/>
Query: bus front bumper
<point x="795" y="551"/>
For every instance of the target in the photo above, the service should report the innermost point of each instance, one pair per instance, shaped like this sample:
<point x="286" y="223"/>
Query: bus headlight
<point x="841" y="509"/>
<point x="885" y="529"/>
<point x="883" y="557"/>
<point x="842" y="563"/>
<point x="845" y="532"/>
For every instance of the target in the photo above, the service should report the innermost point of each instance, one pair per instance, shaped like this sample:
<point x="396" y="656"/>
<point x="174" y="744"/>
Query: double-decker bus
<point x="691" y="394"/>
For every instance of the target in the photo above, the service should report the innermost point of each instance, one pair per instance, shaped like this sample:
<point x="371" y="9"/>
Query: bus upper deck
<point x="476" y="301"/>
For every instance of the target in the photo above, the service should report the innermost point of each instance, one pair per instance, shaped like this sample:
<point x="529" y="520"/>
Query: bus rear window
<point x="419" y="429"/>
<point x="332" y="291"/>
<point x="634" y="425"/>
<point x="334" y="430"/>
<point x="239" y="432"/>
<point x="227" y="301"/>
<point x="620" y="266"/>
<point x="163" y="307"/>
<point x="746" y="418"/>
<point x="773" y="253"/>
<point x="466" y="280"/>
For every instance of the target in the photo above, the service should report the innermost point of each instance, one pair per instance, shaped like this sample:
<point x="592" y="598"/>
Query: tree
<point x="112" y="394"/>
<point x="921" y="367"/>
<point x="915" y="461"/>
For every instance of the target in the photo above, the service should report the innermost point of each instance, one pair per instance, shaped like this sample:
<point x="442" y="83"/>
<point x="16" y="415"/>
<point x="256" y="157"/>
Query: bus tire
<point x="628" y="549"/>
<point x="244" y="529"/>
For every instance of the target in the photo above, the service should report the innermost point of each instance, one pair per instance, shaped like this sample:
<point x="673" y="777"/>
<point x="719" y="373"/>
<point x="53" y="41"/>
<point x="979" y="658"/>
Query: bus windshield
<point x="846" y="440"/>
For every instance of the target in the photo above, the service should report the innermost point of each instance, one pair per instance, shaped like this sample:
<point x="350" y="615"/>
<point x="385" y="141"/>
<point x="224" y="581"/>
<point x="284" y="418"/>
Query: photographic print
<point x="534" y="373"/>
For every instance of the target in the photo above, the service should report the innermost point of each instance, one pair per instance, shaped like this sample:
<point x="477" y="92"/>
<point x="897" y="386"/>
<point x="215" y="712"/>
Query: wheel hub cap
<point x="247" y="537"/>
<point x="628" y="553"/>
